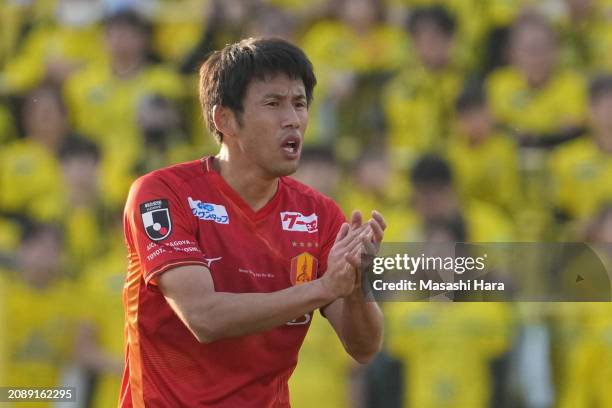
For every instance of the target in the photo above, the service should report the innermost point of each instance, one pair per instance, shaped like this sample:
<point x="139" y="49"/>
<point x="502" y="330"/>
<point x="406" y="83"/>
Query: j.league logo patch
<point x="156" y="219"/>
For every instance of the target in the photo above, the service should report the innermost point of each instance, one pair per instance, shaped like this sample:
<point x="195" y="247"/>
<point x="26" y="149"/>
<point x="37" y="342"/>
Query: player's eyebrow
<point x="276" y="95"/>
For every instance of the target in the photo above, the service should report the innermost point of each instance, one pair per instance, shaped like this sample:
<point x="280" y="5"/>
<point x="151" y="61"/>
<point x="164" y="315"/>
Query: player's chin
<point x="286" y="168"/>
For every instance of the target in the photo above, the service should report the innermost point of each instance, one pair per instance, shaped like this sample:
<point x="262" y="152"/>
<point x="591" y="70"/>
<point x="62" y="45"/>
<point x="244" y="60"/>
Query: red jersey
<point x="188" y="214"/>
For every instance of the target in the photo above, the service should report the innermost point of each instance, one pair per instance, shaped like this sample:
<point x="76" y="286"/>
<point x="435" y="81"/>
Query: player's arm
<point x="359" y="322"/>
<point x="212" y="315"/>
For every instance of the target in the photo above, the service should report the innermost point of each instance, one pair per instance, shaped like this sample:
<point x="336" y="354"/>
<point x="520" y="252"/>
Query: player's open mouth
<point x="291" y="146"/>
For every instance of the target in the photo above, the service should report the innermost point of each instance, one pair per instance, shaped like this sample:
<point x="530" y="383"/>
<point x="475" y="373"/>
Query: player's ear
<point x="224" y="120"/>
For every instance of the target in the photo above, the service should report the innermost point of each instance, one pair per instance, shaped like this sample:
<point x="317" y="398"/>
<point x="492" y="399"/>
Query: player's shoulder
<point x="582" y="148"/>
<point x="170" y="178"/>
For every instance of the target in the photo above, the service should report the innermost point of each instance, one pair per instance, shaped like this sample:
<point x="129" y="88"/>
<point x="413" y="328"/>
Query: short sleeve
<point x="334" y="220"/>
<point x="160" y="231"/>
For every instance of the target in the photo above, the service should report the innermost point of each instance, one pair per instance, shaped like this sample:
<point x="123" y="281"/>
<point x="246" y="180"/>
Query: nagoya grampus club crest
<point x="303" y="268"/>
<point x="156" y="219"/>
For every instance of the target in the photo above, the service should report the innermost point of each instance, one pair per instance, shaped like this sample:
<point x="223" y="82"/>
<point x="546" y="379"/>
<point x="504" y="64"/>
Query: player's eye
<point x="273" y="104"/>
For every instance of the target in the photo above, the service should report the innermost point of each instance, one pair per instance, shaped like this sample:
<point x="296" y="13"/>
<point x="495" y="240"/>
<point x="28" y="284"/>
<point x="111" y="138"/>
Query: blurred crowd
<point x="459" y="120"/>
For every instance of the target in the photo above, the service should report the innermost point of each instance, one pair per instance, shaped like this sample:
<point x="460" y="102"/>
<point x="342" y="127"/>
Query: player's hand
<point x="362" y="257"/>
<point x="370" y="241"/>
<point x="340" y="278"/>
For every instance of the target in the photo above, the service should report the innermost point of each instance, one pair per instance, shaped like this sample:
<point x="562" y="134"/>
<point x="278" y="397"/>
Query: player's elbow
<point x="205" y="328"/>
<point x="364" y="356"/>
<point x="363" y="353"/>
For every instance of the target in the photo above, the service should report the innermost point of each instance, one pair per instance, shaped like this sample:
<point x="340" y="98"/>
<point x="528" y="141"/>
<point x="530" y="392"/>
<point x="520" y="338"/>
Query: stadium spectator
<point x="353" y="54"/>
<point x="542" y="103"/>
<point x="99" y="350"/>
<point x="580" y="169"/>
<point x="113" y="91"/>
<point x="270" y="21"/>
<point x="83" y="216"/>
<point x="583" y="353"/>
<point x="483" y="158"/>
<point x="163" y="132"/>
<point x="40" y="313"/>
<point x="29" y="171"/>
<point x="448" y="350"/>
<point x="225" y="23"/>
<point x="54" y="51"/>
<point x="434" y="197"/>
<point x="419" y="100"/>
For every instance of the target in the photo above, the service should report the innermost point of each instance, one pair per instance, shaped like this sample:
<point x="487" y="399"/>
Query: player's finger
<point x="380" y="219"/>
<point x="353" y="259"/>
<point x="377" y="231"/>
<point x="368" y="247"/>
<point x="352" y="235"/>
<point x="342" y="232"/>
<point x="356" y="219"/>
<point x="355" y="243"/>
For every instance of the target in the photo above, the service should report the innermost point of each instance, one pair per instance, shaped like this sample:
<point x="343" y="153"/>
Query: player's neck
<point x="256" y="190"/>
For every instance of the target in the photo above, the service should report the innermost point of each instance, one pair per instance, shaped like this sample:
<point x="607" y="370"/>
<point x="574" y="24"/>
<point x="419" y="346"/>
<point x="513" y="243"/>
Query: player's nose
<point x="291" y="118"/>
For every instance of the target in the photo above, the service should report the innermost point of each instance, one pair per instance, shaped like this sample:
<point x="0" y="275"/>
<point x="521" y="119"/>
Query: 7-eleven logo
<point x="295" y="221"/>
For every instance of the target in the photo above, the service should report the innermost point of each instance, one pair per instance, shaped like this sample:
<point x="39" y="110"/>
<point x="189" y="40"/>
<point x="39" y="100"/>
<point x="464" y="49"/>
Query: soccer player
<point x="229" y="257"/>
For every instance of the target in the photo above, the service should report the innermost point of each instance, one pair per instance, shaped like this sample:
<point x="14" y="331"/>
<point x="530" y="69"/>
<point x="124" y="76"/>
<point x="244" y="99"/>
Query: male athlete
<point x="228" y="257"/>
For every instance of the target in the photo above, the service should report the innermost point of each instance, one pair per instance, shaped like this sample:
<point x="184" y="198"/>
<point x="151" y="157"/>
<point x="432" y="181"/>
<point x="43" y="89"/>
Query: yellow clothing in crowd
<point x="338" y="54"/>
<point x="333" y="46"/>
<point x="84" y="237"/>
<point x="446" y="349"/>
<point x="178" y="27"/>
<point x="419" y="107"/>
<point x="581" y="175"/>
<point x="484" y="223"/>
<point x="14" y="17"/>
<point x="9" y="236"/>
<point x="321" y="376"/>
<point x="41" y="327"/>
<point x="559" y="103"/>
<point x="102" y="285"/>
<point x="587" y="361"/>
<point x="7" y="125"/>
<point x="31" y="181"/>
<point x="49" y="44"/>
<point x="104" y="107"/>
<point x="488" y="171"/>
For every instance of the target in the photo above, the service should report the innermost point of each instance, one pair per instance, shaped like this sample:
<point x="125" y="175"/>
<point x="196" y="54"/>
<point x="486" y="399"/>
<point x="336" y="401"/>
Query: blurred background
<point x="460" y="120"/>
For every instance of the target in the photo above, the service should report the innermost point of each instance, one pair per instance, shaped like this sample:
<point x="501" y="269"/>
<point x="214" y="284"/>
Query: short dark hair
<point x="472" y="96"/>
<point x="130" y="17"/>
<point x="437" y="15"/>
<point x="431" y="170"/>
<point x="532" y="20"/>
<point x="75" y="145"/>
<point x="226" y="74"/>
<point x="31" y="230"/>
<point x="600" y="86"/>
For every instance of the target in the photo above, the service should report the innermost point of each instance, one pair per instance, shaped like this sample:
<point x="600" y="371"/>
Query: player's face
<point x="534" y="52"/>
<point x="273" y="123"/>
<point x="601" y="114"/>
